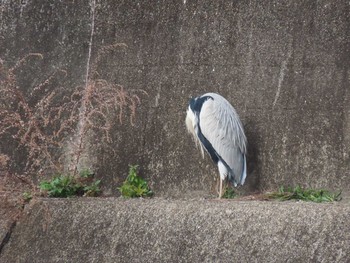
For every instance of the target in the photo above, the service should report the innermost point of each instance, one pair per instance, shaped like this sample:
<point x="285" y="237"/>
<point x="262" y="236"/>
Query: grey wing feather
<point x="221" y="126"/>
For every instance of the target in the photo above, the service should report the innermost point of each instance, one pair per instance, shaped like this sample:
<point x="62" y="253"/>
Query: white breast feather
<point x="192" y="126"/>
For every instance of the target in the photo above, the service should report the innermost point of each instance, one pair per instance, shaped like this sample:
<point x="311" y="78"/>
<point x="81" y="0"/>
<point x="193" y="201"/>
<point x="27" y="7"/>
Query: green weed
<point x="86" y="173"/>
<point x="93" y="189"/>
<point x="134" y="185"/>
<point x="298" y="193"/>
<point x="68" y="186"/>
<point x="27" y="196"/>
<point x="229" y="193"/>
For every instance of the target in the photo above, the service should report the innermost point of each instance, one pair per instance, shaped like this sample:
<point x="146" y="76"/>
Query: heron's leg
<point x="220" y="191"/>
<point x="223" y="174"/>
<point x="217" y="187"/>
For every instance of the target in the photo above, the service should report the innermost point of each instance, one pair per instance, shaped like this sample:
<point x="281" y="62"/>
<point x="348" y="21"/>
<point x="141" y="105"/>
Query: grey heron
<point x="216" y="127"/>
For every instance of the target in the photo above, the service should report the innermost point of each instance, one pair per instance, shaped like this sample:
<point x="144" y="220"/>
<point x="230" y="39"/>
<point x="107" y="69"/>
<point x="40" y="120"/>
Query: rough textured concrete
<point x="160" y="230"/>
<point x="6" y="227"/>
<point x="284" y="65"/>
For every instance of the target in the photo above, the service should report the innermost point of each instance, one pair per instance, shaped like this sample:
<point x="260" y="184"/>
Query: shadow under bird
<point x="217" y="129"/>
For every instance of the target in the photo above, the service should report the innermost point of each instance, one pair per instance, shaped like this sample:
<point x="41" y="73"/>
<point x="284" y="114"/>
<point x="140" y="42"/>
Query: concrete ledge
<point x="160" y="230"/>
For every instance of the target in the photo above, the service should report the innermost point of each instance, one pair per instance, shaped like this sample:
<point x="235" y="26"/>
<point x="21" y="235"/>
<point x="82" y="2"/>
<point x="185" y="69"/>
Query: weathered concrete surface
<point x="7" y="222"/>
<point x="161" y="230"/>
<point x="283" y="64"/>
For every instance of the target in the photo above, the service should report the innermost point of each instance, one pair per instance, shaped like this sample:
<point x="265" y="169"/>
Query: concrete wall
<point x="159" y="230"/>
<point x="284" y="65"/>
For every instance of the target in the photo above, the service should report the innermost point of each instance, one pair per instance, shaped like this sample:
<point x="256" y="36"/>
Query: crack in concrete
<point x="92" y="32"/>
<point x="282" y="74"/>
<point x="82" y="111"/>
<point x="7" y="237"/>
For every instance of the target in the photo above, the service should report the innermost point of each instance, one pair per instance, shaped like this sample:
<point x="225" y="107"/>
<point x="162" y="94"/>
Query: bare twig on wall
<point x="40" y="120"/>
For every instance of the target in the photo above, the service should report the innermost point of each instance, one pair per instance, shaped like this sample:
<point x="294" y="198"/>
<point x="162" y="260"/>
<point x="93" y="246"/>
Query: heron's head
<point x="192" y="117"/>
<point x="190" y="121"/>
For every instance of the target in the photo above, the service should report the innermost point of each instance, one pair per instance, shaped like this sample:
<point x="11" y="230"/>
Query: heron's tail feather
<point x="244" y="173"/>
<point x="238" y="176"/>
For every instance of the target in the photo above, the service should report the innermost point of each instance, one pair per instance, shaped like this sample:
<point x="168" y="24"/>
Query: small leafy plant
<point x="134" y="185"/>
<point x="92" y="189"/>
<point x="27" y="196"/>
<point x="68" y="186"/>
<point x="229" y="193"/>
<point x="298" y="193"/>
<point x="86" y="173"/>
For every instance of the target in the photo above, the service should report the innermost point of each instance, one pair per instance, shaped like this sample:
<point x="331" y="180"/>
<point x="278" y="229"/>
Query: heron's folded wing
<point x="221" y="126"/>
